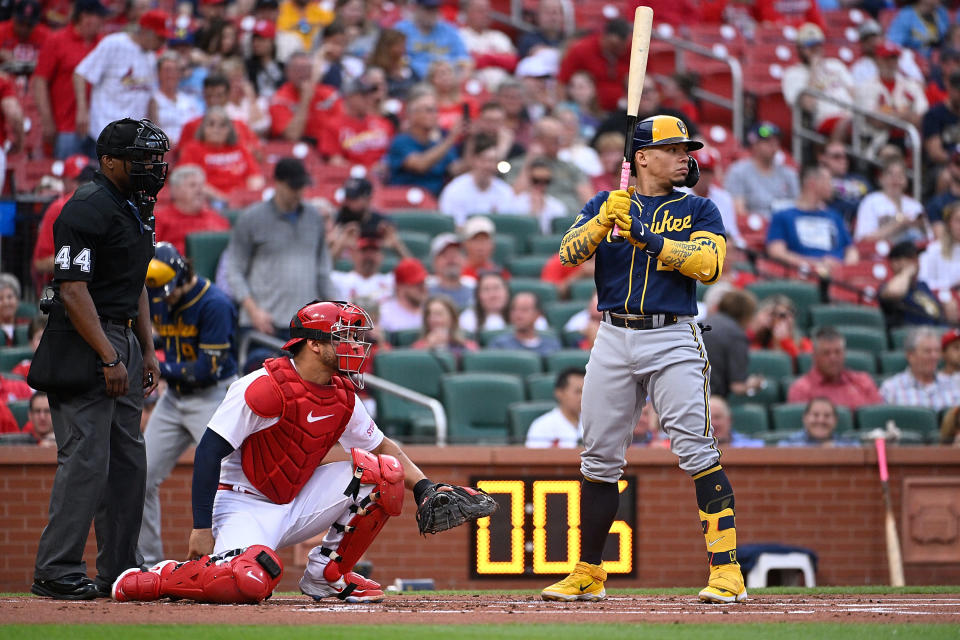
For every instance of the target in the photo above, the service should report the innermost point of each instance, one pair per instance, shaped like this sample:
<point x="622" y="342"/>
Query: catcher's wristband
<point x="421" y="488"/>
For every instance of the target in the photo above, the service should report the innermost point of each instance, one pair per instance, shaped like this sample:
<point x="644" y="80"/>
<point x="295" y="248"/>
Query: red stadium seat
<point x="392" y="197"/>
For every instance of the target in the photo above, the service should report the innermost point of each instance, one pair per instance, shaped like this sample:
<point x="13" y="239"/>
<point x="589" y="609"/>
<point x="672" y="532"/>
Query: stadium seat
<point x="898" y="336"/>
<point x="545" y="245"/>
<point x="520" y="227"/>
<point x="540" y="386"/>
<point x="560" y="225"/>
<point x="862" y="338"/>
<point x="21" y="334"/>
<point x="582" y="289"/>
<point x="857" y="360"/>
<point x="789" y="417"/>
<point x="770" y="364"/>
<point x="417" y="242"/>
<point x="768" y="394"/>
<point x="522" y="414"/>
<point x="803" y="295"/>
<point x="558" y="313"/>
<point x="505" y="247"/>
<point x="566" y="358"/>
<point x="12" y="356"/>
<point x="27" y="310"/>
<point x="571" y="339"/>
<point x="918" y="420"/>
<point x="415" y="369"/>
<point x="892" y="362"/>
<point x="526" y="266"/>
<point x="399" y="197"/>
<point x="404" y="337"/>
<point x="477" y="405"/>
<point x="504" y="361"/>
<point x="20" y="410"/>
<point x="204" y="249"/>
<point x="428" y="222"/>
<point x="834" y="315"/>
<point x="546" y="292"/>
<point x="749" y="418"/>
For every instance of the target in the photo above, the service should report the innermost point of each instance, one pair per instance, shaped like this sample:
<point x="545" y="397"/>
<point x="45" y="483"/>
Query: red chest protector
<point x="280" y="459"/>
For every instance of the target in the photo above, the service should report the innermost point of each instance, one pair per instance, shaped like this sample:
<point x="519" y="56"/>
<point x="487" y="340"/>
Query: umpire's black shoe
<point x="103" y="587"/>
<point x="75" y="586"/>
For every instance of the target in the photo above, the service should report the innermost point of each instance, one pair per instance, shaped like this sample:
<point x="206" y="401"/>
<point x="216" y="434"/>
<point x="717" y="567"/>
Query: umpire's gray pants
<point x="101" y="468"/>
<point x="177" y="422"/>
<point x="670" y="364"/>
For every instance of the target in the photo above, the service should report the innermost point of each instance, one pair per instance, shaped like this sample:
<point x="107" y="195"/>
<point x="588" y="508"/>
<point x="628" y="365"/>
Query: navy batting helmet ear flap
<point x="693" y="175"/>
<point x="167" y="270"/>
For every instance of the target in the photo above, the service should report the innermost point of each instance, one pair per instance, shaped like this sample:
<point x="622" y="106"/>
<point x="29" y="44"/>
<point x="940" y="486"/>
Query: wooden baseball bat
<point x="639" y="49"/>
<point x="894" y="557"/>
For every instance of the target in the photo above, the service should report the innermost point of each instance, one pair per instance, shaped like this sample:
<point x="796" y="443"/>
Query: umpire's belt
<point x="123" y="322"/>
<point x="640" y="323"/>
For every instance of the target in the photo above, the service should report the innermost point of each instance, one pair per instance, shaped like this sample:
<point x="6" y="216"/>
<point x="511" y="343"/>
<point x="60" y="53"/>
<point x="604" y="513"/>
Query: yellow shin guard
<point x="726" y="581"/>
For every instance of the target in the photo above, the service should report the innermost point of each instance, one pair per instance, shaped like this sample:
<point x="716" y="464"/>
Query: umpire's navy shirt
<point x="101" y="239"/>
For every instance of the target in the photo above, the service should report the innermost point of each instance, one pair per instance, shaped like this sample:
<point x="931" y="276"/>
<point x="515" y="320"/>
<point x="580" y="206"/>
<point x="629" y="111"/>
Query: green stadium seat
<point x="21" y="334"/>
<point x="477" y="405"/>
<point x="548" y="245"/>
<point x="749" y="418"/>
<point x="404" y="337"/>
<point x="428" y="222"/>
<point x="862" y="338"/>
<point x="416" y="369"/>
<point x="390" y="260"/>
<point x="522" y="414"/>
<point x="343" y="264"/>
<point x="540" y="386"/>
<point x="769" y="393"/>
<point x="558" y="313"/>
<point x="566" y="358"/>
<point x="505" y="247"/>
<point x="12" y="356"/>
<point x="803" y="295"/>
<point x="855" y="359"/>
<point x="789" y="417"/>
<point x="898" y="336"/>
<point x="204" y="249"/>
<point x="504" y="361"/>
<point x="919" y="420"/>
<point x="773" y="438"/>
<point x="526" y="266"/>
<point x="560" y="225"/>
<point x="546" y="292"/>
<point x="485" y="336"/>
<point x="582" y="289"/>
<point x="770" y="363"/>
<point x="833" y="315"/>
<point x="231" y="215"/>
<point x="571" y="339"/>
<point x="892" y="362"/>
<point x="20" y="410"/>
<point x="520" y="227"/>
<point x="27" y="310"/>
<point x="417" y="242"/>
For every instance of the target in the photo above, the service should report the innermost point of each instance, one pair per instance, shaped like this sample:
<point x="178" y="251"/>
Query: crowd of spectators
<point x="289" y="119"/>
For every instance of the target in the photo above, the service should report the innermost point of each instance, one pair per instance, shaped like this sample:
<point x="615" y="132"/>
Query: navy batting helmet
<point x="167" y="271"/>
<point x="661" y="130"/>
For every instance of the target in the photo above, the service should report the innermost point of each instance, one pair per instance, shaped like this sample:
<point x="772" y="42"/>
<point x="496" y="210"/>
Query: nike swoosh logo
<point x="251" y="575"/>
<point x="710" y="544"/>
<point x="586" y="586"/>
<point x="313" y="418"/>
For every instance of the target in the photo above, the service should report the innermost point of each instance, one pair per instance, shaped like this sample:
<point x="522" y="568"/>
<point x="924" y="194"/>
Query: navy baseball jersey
<point x="197" y="336"/>
<point x="630" y="281"/>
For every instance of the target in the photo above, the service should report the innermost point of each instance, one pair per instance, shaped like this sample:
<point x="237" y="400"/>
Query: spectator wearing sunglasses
<point x="534" y="200"/>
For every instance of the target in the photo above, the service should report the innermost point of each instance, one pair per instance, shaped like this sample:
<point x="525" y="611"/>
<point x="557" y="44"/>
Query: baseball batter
<point x="267" y="474"/>
<point x="195" y="320"/>
<point x="649" y="344"/>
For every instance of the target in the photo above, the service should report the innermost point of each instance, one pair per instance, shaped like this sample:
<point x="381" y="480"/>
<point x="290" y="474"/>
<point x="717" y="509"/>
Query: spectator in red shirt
<point x="356" y="135"/>
<point x="829" y="378"/>
<point x="12" y="390"/>
<point x="774" y="327"/>
<point x="61" y="52"/>
<point x="189" y="211"/>
<point x="11" y="122"/>
<point x="228" y="164"/>
<point x="40" y="422"/>
<point x="451" y="100"/>
<point x="300" y="107"/>
<point x="478" y="233"/>
<point x="216" y="93"/>
<point x="76" y="171"/>
<point x="8" y="424"/>
<point x="22" y="37"/>
<point x="606" y="57"/>
<point x="788" y="12"/>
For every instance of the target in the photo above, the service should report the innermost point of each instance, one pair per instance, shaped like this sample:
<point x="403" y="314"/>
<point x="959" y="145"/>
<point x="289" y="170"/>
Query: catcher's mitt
<point x="442" y="510"/>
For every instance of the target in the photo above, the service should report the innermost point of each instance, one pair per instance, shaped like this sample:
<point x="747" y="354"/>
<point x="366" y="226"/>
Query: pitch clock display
<point x="536" y="530"/>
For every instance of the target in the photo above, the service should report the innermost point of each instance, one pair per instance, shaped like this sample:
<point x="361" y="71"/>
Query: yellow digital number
<point x="624" y="561"/>
<point x="541" y="489"/>
<point x="514" y="489"/>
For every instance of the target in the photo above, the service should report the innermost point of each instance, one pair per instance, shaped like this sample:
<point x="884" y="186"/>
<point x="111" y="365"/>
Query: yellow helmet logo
<point x="682" y="127"/>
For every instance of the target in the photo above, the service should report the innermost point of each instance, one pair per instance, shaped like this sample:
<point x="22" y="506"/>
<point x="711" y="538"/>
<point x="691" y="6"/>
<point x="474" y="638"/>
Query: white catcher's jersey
<point x="234" y="421"/>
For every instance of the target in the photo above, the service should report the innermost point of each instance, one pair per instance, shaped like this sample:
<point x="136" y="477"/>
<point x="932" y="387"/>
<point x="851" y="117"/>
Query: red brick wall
<point x="827" y="500"/>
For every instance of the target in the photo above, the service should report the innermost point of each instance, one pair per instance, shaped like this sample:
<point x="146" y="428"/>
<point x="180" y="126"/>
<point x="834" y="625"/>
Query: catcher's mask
<point x="141" y="143"/>
<point x="344" y="325"/>
<point x="166" y="271"/>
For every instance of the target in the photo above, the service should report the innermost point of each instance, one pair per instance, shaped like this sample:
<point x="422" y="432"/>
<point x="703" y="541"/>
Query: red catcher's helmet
<point x="343" y="324"/>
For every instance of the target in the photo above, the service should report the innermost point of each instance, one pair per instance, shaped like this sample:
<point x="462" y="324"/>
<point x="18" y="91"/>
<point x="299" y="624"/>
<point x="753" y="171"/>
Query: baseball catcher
<point x="267" y="475"/>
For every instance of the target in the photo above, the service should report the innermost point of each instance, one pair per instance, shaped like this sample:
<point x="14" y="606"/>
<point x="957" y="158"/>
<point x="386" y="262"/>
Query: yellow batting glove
<point x="616" y="207"/>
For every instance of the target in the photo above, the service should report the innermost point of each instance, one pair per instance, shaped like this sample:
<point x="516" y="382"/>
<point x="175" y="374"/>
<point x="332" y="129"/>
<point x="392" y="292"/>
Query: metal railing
<point x="858" y="142"/>
<point x="735" y="102"/>
<point x="370" y="380"/>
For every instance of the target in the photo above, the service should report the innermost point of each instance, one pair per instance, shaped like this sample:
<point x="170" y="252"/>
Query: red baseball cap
<point x="73" y="165"/>
<point x="409" y="271"/>
<point x="950" y="336"/>
<point x="887" y="49"/>
<point x="707" y="159"/>
<point x="159" y="22"/>
<point x="368" y="242"/>
<point x="265" y="29"/>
